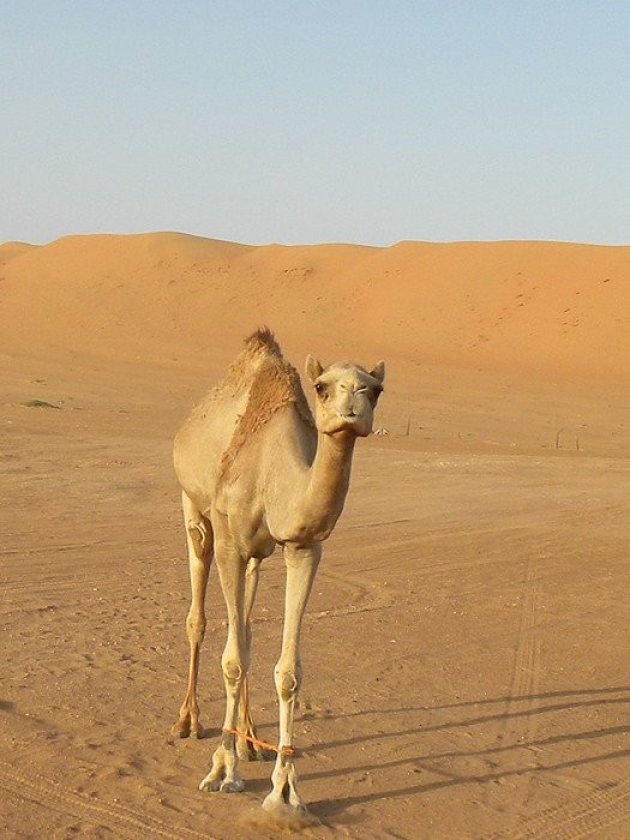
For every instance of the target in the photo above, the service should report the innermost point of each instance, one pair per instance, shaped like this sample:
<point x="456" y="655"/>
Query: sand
<point x="465" y="648"/>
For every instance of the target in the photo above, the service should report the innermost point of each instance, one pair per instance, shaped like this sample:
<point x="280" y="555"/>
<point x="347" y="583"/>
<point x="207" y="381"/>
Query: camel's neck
<point x="326" y="485"/>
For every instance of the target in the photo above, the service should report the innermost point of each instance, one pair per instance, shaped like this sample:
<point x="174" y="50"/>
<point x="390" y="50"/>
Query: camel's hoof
<point x="184" y="729"/>
<point x="237" y="786"/>
<point x="181" y="729"/>
<point x="210" y="785"/>
<point x="285" y="814"/>
<point x="199" y="731"/>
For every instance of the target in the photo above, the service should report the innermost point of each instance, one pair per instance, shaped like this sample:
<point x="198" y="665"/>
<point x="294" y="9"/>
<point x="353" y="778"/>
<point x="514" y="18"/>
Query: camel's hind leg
<point x="199" y="539"/>
<point x="247" y="748"/>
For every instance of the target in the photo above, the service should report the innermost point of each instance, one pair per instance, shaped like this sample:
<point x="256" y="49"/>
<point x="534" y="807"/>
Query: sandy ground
<point x="465" y="650"/>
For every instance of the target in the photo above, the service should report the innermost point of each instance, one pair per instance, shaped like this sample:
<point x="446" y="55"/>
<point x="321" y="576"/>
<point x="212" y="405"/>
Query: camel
<point x="257" y="470"/>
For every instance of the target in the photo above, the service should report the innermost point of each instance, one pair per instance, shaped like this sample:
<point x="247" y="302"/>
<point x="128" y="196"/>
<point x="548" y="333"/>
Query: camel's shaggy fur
<point x="275" y="384"/>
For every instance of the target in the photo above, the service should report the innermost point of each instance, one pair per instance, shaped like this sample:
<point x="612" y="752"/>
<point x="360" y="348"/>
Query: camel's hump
<point x="272" y="383"/>
<point x="263" y="339"/>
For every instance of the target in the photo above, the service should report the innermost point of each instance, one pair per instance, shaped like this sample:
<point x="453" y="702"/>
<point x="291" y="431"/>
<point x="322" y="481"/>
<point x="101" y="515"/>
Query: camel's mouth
<point x="354" y="423"/>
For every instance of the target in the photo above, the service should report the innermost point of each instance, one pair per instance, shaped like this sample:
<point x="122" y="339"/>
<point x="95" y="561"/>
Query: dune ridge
<point x="528" y="307"/>
<point x="11" y="250"/>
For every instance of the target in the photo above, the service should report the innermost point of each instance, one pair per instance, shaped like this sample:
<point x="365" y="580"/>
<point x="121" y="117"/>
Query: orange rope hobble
<point x="263" y="744"/>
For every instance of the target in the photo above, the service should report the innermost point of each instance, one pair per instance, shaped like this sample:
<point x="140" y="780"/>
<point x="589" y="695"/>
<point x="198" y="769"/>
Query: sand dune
<point x="10" y="250"/>
<point x="534" y="307"/>
<point x="464" y="644"/>
<point x="537" y="308"/>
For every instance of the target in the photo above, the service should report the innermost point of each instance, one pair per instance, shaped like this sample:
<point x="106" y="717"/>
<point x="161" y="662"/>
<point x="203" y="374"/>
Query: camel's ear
<point x="313" y="368"/>
<point x="379" y="372"/>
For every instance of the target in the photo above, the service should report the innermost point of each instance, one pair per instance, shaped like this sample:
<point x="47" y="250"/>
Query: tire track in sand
<point x="519" y="724"/>
<point x="121" y="820"/>
<point x="584" y="816"/>
<point x="525" y="679"/>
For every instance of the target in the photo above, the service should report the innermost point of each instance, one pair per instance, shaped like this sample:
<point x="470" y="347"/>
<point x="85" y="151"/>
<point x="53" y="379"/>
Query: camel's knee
<point x="288" y="681"/>
<point x="198" y="532"/>
<point x="195" y="627"/>
<point x="233" y="672"/>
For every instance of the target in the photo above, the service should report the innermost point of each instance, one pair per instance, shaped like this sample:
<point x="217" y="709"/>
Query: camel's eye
<point x="322" y="391"/>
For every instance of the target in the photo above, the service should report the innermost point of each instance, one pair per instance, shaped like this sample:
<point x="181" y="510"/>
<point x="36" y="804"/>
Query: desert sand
<point x="465" y="647"/>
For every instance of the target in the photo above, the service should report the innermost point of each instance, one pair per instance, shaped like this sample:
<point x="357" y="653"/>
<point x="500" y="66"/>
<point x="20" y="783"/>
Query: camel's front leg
<point x="301" y="562"/>
<point x="224" y="775"/>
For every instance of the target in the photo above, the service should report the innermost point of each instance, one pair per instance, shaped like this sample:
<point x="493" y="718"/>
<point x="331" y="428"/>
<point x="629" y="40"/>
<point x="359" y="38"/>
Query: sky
<point x="306" y="121"/>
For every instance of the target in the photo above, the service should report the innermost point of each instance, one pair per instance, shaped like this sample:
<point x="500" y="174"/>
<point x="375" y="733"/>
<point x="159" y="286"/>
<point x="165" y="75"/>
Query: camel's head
<point x="345" y="396"/>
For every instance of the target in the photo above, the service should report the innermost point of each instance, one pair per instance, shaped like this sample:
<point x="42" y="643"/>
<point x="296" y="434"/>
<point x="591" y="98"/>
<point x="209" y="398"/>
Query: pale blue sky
<point x="316" y="121"/>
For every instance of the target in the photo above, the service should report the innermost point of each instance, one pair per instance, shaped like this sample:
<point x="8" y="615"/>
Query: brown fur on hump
<point x="263" y="339"/>
<point x="274" y="384"/>
<point x="258" y="346"/>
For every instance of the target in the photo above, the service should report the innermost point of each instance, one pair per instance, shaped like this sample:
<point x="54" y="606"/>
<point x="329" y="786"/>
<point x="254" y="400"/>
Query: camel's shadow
<point x="426" y="759"/>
